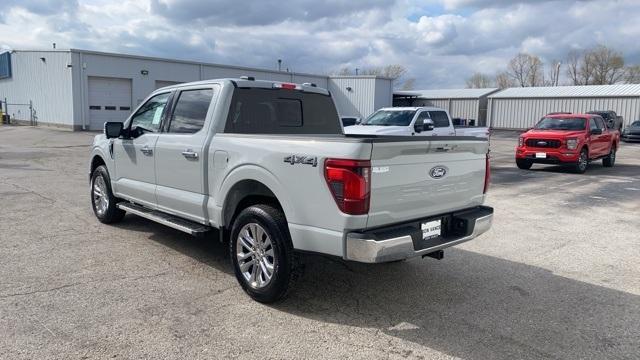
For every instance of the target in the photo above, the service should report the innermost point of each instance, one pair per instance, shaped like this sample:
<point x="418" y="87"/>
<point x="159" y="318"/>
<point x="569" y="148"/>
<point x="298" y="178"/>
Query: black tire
<point x="583" y="162"/>
<point x="610" y="160"/>
<point x="101" y="182"/>
<point x="524" y="164"/>
<point x="284" y="264"/>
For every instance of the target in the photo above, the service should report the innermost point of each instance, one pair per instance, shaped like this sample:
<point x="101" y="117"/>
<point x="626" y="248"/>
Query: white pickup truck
<point x="265" y="166"/>
<point x="413" y="121"/>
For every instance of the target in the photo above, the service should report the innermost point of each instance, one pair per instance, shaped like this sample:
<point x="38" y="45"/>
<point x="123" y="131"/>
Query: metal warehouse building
<point x="470" y="104"/>
<point x="521" y="108"/>
<point x="80" y="90"/>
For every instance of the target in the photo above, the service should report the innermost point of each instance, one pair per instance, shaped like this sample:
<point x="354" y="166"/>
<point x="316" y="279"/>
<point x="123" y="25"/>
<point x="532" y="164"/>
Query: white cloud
<point x="444" y="42"/>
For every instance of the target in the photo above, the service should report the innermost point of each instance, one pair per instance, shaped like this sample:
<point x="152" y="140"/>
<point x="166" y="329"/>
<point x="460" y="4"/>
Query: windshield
<point x="390" y="118"/>
<point x="635" y="123"/>
<point x="561" y="124"/>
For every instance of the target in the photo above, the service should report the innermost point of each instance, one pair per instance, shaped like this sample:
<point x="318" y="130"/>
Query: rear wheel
<point x="610" y="160"/>
<point x="262" y="253"/>
<point x="583" y="161"/>
<point x="524" y="164"/>
<point x="102" y="199"/>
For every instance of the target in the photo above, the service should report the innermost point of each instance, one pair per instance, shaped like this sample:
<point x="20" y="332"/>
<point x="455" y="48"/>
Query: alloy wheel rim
<point x="583" y="160"/>
<point x="256" y="256"/>
<point x="100" y="199"/>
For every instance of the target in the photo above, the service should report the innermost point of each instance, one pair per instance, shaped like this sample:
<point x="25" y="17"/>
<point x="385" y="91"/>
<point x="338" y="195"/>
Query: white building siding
<point x="522" y="113"/>
<point x="47" y="83"/>
<point x="354" y="96"/>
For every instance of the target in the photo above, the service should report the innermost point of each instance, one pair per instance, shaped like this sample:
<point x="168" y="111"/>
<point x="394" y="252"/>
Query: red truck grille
<point x="543" y="143"/>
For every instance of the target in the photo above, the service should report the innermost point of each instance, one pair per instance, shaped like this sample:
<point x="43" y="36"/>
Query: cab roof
<point x="248" y="82"/>
<point x="412" y="108"/>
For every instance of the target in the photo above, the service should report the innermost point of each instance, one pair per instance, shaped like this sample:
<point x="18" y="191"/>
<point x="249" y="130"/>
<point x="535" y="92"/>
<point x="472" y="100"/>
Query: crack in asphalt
<point x="82" y="283"/>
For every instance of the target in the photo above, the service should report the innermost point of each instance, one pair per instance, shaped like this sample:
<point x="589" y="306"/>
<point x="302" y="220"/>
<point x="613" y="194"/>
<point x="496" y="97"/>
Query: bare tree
<point x="478" y="81"/>
<point x="596" y="66"/>
<point x="408" y="84"/>
<point x="573" y="66"/>
<point x="554" y="73"/>
<point x="396" y="72"/>
<point x="608" y="65"/>
<point x="632" y="74"/>
<point x="504" y="80"/>
<point x="526" y="70"/>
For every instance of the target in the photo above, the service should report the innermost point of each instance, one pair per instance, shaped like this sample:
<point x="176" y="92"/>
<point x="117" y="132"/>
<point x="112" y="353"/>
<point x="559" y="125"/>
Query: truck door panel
<point x="135" y="176"/>
<point x="180" y="158"/>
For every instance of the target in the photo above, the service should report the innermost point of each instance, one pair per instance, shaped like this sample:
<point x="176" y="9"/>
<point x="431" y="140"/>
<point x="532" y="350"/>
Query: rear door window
<point x="281" y="111"/>
<point x="440" y="119"/>
<point x="190" y="111"/>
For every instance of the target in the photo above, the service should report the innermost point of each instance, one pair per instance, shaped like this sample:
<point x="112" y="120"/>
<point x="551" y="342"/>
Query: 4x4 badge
<point x="301" y="159"/>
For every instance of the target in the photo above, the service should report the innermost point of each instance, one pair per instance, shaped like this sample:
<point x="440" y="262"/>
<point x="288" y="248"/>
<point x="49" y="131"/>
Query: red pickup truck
<point x="570" y="139"/>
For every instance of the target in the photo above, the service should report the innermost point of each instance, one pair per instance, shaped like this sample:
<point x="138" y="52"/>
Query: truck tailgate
<point x="417" y="179"/>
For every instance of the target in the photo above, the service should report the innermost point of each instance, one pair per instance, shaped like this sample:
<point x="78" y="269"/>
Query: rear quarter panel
<point x="301" y="189"/>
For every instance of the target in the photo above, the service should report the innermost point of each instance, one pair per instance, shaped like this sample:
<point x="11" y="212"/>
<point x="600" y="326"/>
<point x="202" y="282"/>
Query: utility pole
<point x="558" y="72"/>
<point x="279" y="64"/>
<point x="356" y="71"/>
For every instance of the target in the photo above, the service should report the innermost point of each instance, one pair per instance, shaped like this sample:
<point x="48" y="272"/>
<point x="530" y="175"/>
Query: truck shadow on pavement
<point x="472" y="306"/>
<point x="469" y="305"/>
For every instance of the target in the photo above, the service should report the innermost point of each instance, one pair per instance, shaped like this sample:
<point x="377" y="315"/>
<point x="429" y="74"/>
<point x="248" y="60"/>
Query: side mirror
<point x="418" y="126"/>
<point x="596" y="131"/>
<point x="429" y="125"/>
<point x="112" y="129"/>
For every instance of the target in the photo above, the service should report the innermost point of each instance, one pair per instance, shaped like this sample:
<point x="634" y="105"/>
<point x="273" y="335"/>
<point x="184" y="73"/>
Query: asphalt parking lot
<point x="558" y="276"/>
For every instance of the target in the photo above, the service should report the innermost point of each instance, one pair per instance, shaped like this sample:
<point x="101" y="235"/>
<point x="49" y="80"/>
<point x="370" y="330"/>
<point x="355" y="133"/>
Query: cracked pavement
<point x="556" y="277"/>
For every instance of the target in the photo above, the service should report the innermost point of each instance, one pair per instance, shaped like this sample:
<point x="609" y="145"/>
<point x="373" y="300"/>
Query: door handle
<point x="190" y="154"/>
<point x="146" y="150"/>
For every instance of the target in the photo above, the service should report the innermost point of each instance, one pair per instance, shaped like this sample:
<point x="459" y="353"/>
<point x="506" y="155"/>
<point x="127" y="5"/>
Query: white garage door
<point x="109" y="100"/>
<point x="163" y="83"/>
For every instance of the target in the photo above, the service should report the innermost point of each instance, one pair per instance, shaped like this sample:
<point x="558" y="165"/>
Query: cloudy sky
<point x="441" y="42"/>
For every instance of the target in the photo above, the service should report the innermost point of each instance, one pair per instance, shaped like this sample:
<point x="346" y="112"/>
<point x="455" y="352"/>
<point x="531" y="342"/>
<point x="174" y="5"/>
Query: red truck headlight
<point x="572" y="144"/>
<point x="350" y="184"/>
<point x="520" y="141"/>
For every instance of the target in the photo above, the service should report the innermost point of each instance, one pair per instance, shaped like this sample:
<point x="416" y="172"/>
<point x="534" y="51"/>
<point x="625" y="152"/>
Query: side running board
<point x="175" y="222"/>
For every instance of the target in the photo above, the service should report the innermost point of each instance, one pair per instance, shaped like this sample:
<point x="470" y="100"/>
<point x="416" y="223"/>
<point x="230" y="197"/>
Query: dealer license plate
<point x="431" y="229"/>
<point x="541" y="155"/>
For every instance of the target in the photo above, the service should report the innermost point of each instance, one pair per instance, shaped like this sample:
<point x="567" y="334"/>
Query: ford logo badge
<point x="438" y="172"/>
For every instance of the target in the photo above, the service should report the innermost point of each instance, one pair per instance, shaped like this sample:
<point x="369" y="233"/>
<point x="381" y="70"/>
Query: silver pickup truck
<point x="266" y="167"/>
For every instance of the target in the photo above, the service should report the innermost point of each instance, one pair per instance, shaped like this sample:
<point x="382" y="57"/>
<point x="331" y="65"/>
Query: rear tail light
<point x="350" y="184"/>
<point x="487" y="174"/>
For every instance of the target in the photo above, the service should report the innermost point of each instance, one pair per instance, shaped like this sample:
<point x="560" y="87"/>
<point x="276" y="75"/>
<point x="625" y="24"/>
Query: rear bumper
<point x="553" y="156"/>
<point x="403" y="241"/>
<point x="631" y="137"/>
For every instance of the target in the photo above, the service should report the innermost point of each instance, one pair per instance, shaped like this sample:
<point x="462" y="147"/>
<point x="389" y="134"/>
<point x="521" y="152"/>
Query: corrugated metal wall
<point x="458" y="108"/>
<point x="45" y="82"/>
<point x="524" y="113"/>
<point x="359" y="100"/>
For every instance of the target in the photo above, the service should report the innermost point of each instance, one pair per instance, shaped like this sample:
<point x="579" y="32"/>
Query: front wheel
<point x="583" y="161"/>
<point x="262" y="253"/>
<point x="524" y="164"/>
<point x="610" y="160"/>
<point x="102" y="199"/>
